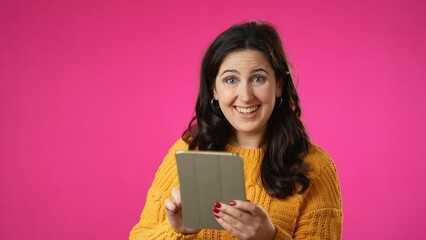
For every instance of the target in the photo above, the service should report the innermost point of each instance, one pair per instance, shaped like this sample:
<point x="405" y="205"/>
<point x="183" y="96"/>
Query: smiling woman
<point x="246" y="89"/>
<point x="247" y="104"/>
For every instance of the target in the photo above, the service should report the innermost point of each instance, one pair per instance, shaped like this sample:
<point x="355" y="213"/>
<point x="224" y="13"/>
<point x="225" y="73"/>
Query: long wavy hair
<point x="283" y="171"/>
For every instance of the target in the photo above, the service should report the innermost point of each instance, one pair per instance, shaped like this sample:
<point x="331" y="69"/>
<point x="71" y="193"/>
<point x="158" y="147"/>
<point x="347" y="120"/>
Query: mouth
<point x="246" y="110"/>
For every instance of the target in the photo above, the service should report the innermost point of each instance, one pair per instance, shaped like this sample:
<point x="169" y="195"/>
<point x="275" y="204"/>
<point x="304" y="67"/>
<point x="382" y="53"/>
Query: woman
<point x="248" y="104"/>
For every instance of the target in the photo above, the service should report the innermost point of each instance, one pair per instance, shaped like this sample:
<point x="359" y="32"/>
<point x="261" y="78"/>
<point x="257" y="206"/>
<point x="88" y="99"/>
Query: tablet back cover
<point x="205" y="178"/>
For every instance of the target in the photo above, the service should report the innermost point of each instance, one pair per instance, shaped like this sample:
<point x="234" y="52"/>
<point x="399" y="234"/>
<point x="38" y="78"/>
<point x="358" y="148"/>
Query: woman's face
<point x="246" y="88"/>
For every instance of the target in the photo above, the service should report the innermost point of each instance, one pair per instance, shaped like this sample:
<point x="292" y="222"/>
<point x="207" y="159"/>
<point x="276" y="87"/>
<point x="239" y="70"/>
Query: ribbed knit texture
<point x="315" y="214"/>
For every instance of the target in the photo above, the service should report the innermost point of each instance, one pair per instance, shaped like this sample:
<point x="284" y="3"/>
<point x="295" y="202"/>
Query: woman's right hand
<point x="174" y="213"/>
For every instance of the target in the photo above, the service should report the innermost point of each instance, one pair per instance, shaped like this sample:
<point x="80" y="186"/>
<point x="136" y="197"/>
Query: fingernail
<point x="215" y="210"/>
<point x="217" y="205"/>
<point x="247" y="200"/>
<point x="233" y="203"/>
<point x="216" y="216"/>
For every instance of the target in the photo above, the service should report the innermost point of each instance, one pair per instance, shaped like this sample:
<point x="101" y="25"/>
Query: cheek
<point x="224" y="96"/>
<point x="267" y="96"/>
<point x="229" y="98"/>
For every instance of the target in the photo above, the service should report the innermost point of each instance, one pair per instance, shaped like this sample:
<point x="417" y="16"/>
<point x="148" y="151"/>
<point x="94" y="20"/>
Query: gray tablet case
<point x="206" y="177"/>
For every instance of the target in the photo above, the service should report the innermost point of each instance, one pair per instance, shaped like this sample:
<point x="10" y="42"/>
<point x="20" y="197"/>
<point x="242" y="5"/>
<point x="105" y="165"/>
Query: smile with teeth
<point x="247" y="110"/>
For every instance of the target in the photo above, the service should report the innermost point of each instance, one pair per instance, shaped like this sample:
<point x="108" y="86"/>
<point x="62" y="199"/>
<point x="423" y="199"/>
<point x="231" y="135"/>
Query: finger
<point x="176" y="196"/>
<point x="230" y="228"/>
<point x="171" y="208"/>
<point x="233" y="215"/>
<point x="249" y="207"/>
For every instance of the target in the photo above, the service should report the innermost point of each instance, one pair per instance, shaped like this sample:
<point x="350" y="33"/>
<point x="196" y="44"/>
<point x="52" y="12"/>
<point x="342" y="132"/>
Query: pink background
<point x="93" y="93"/>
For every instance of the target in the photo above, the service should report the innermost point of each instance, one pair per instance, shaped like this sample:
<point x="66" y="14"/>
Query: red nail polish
<point x="215" y="210"/>
<point x="216" y="216"/>
<point x="217" y="205"/>
<point x="233" y="203"/>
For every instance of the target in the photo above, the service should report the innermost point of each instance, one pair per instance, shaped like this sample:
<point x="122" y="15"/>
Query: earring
<point x="278" y="102"/>
<point x="214" y="103"/>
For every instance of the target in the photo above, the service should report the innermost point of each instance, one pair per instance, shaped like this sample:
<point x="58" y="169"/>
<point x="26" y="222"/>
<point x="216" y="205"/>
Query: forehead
<point x="245" y="59"/>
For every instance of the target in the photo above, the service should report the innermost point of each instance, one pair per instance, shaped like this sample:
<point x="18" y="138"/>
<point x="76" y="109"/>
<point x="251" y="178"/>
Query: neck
<point x="247" y="140"/>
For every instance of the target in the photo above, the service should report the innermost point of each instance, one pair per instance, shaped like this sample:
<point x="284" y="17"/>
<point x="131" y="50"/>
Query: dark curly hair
<point x="283" y="170"/>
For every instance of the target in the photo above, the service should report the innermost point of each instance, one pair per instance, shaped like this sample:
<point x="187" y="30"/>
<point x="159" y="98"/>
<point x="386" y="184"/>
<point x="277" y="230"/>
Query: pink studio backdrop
<point x="93" y="93"/>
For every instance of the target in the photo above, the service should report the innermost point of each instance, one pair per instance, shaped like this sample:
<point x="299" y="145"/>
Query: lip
<point x="247" y="112"/>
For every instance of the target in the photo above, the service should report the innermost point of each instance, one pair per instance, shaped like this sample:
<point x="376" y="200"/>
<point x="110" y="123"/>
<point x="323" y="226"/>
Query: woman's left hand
<point x="244" y="220"/>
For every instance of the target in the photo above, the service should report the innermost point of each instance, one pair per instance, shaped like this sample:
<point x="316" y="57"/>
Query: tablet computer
<point x="206" y="177"/>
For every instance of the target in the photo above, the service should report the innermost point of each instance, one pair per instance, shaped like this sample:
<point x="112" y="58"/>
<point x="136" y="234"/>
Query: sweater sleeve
<point x="281" y="234"/>
<point x="321" y="210"/>
<point x="153" y="222"/>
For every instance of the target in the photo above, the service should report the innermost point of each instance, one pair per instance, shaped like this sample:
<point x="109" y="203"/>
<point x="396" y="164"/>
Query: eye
<point x="258" y="79"/>
<point x="231" y="80"/>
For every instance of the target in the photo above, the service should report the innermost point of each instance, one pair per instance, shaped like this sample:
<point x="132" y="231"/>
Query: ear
<point x="279" y="88"/>
<point x="214" y="93"/>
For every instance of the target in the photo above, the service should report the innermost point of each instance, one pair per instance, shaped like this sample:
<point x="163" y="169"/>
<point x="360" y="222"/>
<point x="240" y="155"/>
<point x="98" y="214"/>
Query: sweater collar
<point x="248" y="154"/>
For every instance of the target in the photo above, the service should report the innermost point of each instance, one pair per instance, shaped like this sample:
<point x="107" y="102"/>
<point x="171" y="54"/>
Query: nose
<point x="245" y="92"/>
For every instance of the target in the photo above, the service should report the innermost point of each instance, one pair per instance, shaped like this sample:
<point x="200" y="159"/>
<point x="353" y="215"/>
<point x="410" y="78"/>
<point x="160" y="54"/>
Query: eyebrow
<point x="253" y="71"/>
<point x="259" y="70"/>
<point x="230" y="70"/>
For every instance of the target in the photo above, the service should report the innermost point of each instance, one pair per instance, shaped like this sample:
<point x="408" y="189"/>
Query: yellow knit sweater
<point x="315" y="214"/>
